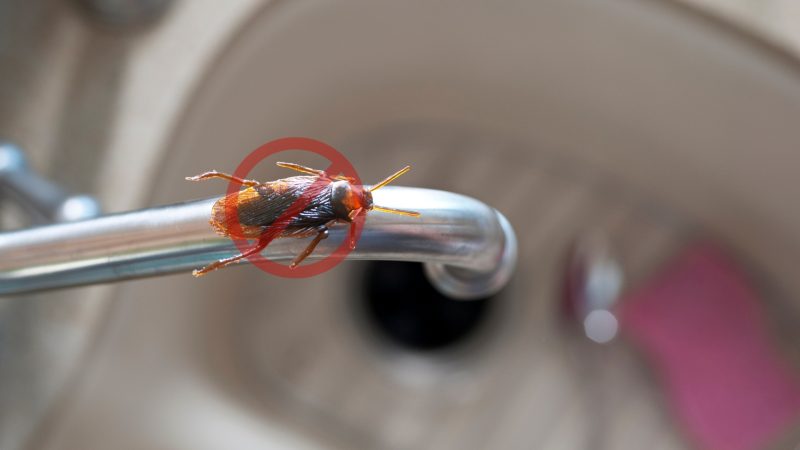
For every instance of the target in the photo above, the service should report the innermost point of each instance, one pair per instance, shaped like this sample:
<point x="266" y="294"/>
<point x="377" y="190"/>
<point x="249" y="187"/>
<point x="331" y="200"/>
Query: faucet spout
<point x="468" y="248"/>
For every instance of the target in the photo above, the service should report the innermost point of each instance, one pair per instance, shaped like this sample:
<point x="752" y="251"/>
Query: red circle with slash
<point x="339" y="165"/>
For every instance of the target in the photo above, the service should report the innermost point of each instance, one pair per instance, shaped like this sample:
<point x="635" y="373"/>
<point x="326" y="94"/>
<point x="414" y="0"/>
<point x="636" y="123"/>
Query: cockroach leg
<point x="352" y="234"/>
<point x="224" y="176"/>
<point x="261" y="245"/>
<point x="322" y="234"/>
<point x="310" y="171"/>
<point x="299" y="168"/>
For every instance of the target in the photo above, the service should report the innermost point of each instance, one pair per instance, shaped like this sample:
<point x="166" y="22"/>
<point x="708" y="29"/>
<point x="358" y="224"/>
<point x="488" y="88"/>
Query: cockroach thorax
<point x="347" y="198"/>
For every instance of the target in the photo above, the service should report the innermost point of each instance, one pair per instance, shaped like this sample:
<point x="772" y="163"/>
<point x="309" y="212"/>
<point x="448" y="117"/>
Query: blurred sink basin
<point x="639" y="118"/>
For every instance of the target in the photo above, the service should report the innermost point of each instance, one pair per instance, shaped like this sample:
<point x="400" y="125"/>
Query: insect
<point x="297" y="207"/>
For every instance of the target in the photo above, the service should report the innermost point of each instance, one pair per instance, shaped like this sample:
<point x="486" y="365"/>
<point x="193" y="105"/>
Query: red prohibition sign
<point x="339" y="165"/>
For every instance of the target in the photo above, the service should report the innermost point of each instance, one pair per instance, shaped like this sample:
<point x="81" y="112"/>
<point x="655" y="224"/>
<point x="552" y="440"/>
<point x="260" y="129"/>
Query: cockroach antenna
<point x="383" y="183"/>
<point x="390" y="178"/>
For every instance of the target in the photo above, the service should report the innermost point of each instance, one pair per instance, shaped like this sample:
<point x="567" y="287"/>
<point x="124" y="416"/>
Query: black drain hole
<point x="402" y="306"/>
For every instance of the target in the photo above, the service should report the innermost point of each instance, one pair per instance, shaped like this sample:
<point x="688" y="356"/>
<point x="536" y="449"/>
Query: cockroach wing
<point x="257" y="209"/>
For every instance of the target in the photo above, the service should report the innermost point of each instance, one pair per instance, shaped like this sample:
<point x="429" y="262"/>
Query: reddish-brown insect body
<point x="300" y="206"/>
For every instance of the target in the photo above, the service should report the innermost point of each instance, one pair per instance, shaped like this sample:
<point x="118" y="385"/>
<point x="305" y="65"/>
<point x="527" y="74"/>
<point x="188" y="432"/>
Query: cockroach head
<point x="366" y="198"/>
<point x="347" y="198"/>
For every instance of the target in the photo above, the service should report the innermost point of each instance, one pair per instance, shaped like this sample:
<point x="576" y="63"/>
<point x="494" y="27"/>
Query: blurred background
<point x="645" y="151"/>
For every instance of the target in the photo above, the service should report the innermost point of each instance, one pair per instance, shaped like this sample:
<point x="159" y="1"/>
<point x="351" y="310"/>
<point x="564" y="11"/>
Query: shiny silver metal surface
<point x="42" y="199"/>
<point x="470" y="247"/>
<point x="595" y="281"/>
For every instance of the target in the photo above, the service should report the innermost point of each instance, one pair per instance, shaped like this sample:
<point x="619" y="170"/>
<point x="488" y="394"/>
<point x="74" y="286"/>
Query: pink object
<point x="702" y="327"/>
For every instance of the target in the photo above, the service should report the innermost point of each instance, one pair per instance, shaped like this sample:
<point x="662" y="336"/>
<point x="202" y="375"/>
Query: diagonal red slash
<point x="284" y="220"/>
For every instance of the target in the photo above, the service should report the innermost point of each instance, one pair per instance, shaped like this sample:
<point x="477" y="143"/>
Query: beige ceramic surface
<point x="632" y="116"/>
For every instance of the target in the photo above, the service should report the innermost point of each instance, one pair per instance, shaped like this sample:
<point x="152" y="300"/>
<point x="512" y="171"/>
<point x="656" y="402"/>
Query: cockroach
<point x="263" y="210"/>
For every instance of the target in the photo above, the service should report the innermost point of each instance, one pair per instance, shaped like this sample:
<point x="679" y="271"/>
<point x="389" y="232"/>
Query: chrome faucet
<point x="468" y="248"/>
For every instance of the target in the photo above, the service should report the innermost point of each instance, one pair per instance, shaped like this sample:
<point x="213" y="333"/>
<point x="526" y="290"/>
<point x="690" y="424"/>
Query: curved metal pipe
<point x="469" y="248"/>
